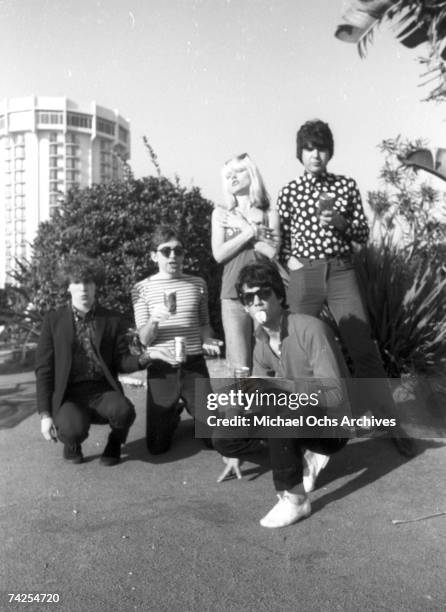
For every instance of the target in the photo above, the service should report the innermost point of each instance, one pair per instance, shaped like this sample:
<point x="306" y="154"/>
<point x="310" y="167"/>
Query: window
<point x="70" y="175"/>
<point x="79" y="120"/>
<point x="53" y="149"/>
<point x="123" y="134"/>
<point x="53" y="174"/>
<point x="71" y="162"/>
<point x="71" y="138"/>
<point x="105" y="126"/>
<point x="50" y="117"/>
<point x="20" y="214"/>
<point x="71" y="150"/>
<point x="19" y="151"/>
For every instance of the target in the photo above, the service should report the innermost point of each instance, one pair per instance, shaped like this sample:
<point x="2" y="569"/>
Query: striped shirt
<point x="192" y="309"/>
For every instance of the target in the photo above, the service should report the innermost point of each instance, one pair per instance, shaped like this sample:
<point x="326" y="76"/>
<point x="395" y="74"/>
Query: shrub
<point x="406" y="300"/>
<point x="114" y="223"/>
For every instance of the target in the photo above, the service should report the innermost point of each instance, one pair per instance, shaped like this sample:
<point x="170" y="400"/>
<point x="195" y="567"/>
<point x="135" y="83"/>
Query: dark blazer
<point x="54" y="354"/>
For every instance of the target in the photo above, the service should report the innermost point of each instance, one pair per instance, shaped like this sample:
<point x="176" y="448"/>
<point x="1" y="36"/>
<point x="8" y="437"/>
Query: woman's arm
<point x="224" y="251"/>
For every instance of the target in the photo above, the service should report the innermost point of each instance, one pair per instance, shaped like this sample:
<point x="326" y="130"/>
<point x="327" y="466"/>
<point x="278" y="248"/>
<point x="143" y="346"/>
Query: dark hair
<point x="314" y="133"/>
<point x="165" y="233"/>
<point x="78" y="268"/>
<point x="262" y="274"/>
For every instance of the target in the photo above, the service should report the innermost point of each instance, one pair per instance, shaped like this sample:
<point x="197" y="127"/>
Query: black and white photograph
<point x="223" y="305"/>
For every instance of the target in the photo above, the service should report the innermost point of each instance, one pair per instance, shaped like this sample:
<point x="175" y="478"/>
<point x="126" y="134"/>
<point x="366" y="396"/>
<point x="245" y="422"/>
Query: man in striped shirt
<point x="158" y="323"/>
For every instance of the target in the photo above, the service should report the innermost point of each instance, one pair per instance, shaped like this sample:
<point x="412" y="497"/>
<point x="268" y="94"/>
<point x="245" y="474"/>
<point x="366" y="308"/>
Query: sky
<point x="207" y="79"/>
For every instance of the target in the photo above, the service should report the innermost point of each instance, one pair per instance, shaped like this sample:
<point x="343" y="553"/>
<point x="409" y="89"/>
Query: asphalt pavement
<point x="159" y="533"/>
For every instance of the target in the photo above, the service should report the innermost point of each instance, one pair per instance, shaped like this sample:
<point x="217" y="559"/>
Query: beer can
<point x="326" y="201"/>
<point x="170" y="301"/>
<point x="180" y="348"/>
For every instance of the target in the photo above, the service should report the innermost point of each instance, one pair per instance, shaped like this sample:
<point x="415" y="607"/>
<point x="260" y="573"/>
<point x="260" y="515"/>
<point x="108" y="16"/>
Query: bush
<point x="114" y="223"/>
<point x="406" y="300"/>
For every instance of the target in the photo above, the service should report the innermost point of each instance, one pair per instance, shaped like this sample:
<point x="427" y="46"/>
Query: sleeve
<point x="203" y="309"/>
<point x="44" y="368"/>
<point x="357" y="229"/>
<point x="124" y="360"/>
<point x="327" y="363"/>
<point x="285" y="214"/>
<point x="140" y="307"/>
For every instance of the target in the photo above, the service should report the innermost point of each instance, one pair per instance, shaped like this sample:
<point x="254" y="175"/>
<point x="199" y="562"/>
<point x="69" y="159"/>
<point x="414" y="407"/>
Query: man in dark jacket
<point x="81" y="349"/>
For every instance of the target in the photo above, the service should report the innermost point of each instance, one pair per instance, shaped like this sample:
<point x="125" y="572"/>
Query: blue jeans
<point x="238" y="328"/>
<point x="334" y="283"/>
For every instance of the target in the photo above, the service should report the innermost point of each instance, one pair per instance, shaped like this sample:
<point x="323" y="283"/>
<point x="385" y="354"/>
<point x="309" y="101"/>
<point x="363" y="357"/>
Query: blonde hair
<point x="258" y="196"/>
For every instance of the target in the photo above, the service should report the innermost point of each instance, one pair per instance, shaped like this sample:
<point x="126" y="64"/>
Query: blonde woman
<point x="244" y="230"/>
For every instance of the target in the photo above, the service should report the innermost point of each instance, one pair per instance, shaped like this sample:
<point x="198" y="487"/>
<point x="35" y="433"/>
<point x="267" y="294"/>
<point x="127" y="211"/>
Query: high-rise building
<point x="48" y="145"/>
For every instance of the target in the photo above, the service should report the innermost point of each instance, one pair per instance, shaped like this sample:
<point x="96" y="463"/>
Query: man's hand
<point x="212" y="347"/>
<point x="333" y="219"/>
<point x="48" y="429"/>
<point x="232" y="466"/>
<point x="159" y="313"/>
<point x="163" y="354"/>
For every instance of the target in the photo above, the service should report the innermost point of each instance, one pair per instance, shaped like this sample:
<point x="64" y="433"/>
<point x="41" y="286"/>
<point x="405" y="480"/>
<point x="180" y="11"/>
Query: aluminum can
<point x="180" y="348"/>
<point x="326" y="201"/>
<point x="170" y="301"/>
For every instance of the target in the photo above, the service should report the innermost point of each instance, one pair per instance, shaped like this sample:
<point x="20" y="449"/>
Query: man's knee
<point x="71" y="423"/>
<point x="117" y="409"/>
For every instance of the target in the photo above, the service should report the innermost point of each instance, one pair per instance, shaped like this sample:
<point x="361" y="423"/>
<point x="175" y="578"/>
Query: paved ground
<point x="160" y="534"/>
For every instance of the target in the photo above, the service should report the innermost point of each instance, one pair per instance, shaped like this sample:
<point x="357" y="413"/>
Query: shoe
<point x="73" y="453"/>
<point x="112" y="451"/>
<point x="286" y="512"/>
<point x="405" y="446"/>
<point x="313" y="464"/>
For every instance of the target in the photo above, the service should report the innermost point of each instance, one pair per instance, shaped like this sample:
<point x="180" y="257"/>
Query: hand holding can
<point x="326" y="201"/>
<point x="170" y="301"/>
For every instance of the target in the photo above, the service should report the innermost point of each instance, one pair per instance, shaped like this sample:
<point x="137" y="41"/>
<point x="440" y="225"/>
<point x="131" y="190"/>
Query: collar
<point x="261" y="334"/>
<point x="318" y="179"/>
<point x="88" y="316"/>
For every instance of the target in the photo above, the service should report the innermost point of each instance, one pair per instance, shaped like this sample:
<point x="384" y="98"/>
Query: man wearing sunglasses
<point x="169" y="304"/>
<point x="295" y="347"/>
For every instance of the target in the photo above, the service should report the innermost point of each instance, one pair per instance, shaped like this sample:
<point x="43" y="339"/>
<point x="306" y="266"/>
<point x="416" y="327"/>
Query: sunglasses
<point x="166" y="251"/>
<point x="247" y="297"/>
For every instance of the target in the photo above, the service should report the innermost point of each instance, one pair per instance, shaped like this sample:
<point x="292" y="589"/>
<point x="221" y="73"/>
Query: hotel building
<point x="48" y="145"/>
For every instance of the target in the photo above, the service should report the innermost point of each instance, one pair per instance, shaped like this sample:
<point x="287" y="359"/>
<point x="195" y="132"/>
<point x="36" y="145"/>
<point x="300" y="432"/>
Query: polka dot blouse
<point x="302" y="235"/>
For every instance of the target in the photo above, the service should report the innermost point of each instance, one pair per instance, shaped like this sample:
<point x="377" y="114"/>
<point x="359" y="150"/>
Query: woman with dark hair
<point x="244" y="230"/>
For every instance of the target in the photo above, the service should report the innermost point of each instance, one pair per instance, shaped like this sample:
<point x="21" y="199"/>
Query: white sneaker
<point x="286" y="512"/>
<point x="313" y="464"/>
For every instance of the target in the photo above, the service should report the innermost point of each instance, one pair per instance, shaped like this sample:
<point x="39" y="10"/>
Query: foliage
<point x="414" y="22"/>
<point x="410" y="202"/>
<point x="114" y="223"/>
<point x="406" y="300"/>
<point x="404" y="280"/>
